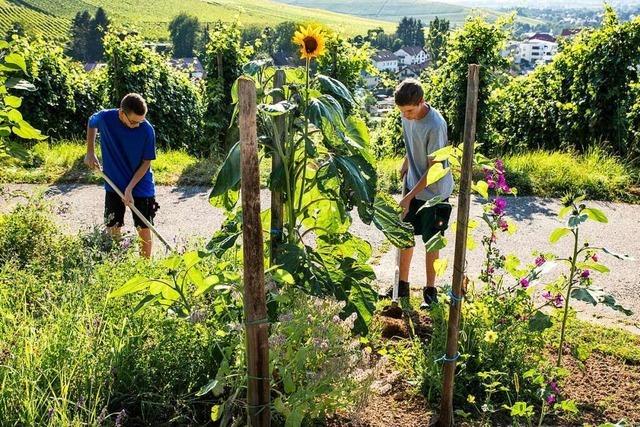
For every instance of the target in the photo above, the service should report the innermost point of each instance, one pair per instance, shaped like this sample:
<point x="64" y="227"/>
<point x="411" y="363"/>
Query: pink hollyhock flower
<point x="585" y="274"/>
<point x="524" y="282"/>
<point x="547" y="295"/>
<point x="558" y="301"/>
<point x="551" y="399"/>
<point x="540" y="260"/>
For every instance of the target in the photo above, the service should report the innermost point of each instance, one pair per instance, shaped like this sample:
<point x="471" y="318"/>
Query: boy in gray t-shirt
<point x="425" y="131"/>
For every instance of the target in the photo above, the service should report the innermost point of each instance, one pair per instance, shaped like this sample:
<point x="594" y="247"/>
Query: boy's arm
<point x="90" y="158"/>
<point x="142" y="170"/>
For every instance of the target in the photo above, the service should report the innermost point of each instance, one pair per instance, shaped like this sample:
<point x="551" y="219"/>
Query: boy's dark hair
<point x="408" y="92"/>
<point x="134" y="103"/>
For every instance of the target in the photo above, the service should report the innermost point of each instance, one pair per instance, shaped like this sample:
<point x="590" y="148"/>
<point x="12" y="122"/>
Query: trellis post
<point x="255" y="307"/>
<point x="464" y="197"/>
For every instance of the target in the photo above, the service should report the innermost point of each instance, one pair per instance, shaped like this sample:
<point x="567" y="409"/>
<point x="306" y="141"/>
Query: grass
<point x="548" y="174"/>
<point x="71" y="356"/>
<point x="152" y="17"/>
<point x="586" y="337"/>
<point x="63" y="162"/>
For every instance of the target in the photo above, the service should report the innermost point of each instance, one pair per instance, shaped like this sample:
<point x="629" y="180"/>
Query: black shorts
<point x="429" y="221"/>
<point x="114" y="210"/>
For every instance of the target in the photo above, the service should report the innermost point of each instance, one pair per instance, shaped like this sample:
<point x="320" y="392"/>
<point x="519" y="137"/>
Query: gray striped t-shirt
<point x="421" y="138"/>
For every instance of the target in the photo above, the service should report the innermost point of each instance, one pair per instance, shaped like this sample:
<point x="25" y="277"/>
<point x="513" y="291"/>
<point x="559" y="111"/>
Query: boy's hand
<point x="404" y="204"/>
<point x="128" y="197"/>
<point x="91" y="161"/>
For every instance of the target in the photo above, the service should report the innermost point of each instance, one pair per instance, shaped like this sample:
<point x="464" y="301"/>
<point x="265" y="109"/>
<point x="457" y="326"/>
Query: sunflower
<point x="310" y="40"/>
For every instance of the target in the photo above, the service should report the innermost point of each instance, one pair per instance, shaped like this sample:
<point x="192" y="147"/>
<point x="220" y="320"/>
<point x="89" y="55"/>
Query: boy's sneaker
<point x="403" y="290"/>
<point x="430" y="295"/>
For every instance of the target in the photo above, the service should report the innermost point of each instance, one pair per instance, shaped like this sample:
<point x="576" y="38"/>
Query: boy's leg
<point x="113" y="215"/>
<point x="405" y="263"/>
<point x="147" y="207"/>
<point x="146" y="242"/>
<point x="431" y="257"/>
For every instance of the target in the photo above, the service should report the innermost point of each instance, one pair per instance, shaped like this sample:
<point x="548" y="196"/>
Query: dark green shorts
<point x="429" y="221"/>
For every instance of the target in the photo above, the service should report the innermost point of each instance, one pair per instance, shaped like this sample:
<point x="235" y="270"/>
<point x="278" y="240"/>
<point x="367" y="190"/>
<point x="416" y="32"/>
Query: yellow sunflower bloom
<point x="311" y="41"/>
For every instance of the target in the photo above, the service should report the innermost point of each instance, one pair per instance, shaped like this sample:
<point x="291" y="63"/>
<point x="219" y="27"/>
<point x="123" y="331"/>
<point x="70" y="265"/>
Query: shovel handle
<point x="136" y="211"/>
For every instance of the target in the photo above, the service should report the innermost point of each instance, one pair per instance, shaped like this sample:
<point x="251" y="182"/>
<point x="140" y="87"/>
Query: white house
<point x="409" y="55"/>
<point x="535" y="51"/>
<point x="411" y="71"/>
<point x="384" y="60"/>
<point x="193" y="66"/>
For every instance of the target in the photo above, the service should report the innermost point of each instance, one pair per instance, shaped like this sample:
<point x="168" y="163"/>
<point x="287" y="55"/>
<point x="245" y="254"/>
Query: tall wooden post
<point x="276" y="162"/>
<point x="446" y="405"/>
<point x="255" y="306"/>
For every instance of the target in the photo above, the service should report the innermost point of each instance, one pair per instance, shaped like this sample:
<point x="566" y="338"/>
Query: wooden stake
<point x="255" y="306"/>
<point x="446" y="404"/>
<point x="276" y="162"/>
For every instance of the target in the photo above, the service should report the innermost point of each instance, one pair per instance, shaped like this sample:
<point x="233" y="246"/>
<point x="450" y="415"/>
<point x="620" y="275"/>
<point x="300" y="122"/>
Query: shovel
<point x="136" y="211"/>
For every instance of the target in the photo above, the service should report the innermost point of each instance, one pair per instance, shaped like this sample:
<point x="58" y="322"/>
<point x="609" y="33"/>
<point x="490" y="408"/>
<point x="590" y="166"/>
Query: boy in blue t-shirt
<point x="128" y="145"/>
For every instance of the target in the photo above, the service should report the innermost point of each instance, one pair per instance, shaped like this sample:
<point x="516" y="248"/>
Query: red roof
<point x="544" y="37"/>
<point x="568" y="32"/>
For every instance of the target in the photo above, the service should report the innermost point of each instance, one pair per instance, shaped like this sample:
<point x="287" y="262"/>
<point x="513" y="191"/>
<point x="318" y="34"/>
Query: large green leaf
<point x="277" y="109"/>
<point x="15" y="61"/>
<point x="133" y="285"/>
<point x="590" y="265"/>
<point x="325" y="106"/>
<point x="20" y="84"/>
<point x="539" y="322"/>
<point x="623" y="257"/>
<point x="335" y="88"/>
<point x="436" y="172"/>
<point x="13" y="101"/>
<point x="558" y="233"/>
<point x="435" y="243"/>
<point x="226" y="237"/>
<point x="229" y="174"/>
<point x="386" y="217"/>
<point x="584" y="294"/>
<point x="575" y="220"/>
<point x="359" y="179"/>
<point x="363" y="299"/>
<point x="595" y="215"/>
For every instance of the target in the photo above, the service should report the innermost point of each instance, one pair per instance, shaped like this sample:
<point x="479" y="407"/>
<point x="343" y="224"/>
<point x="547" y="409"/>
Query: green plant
<point x="12" y="67"/>
<point x="317" y="365"/>
<point x="175" y="103"/>
<point x="326" y="172"/>
<point x="582" y="98"/>
<point x="578" y="283"/>
<point x="476" y="42"/>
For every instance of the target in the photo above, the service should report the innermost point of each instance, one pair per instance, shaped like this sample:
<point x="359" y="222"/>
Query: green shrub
<point x="175" y="103"/>
<point x="65" y="94"/>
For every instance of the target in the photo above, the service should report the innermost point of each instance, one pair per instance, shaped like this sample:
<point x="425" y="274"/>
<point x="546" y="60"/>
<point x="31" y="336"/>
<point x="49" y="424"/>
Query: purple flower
<point x="594" y="257"/>
<point x="491" y="182"/>
<point x="551" y="399"/>
<point x="558" y="301"/>
<point x="585" y="274"/>
<point x="547" y="295"/>
<point x="540" y="260"/>
<point x="524" y="282"/>
<point x="490" y="270"/>
<point x="499" y="165"/>
<point x="553" y="385"/>
<point x="120" y="418"/>
<point x="504" y="225"/>
<point x="499" y="204"/>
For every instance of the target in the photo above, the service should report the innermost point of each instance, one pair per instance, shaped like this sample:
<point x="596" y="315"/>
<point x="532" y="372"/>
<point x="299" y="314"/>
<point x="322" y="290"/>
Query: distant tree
<point x="16" y="28"/>
<point x="80" y="36"/>
<point x="411" y="32"/>
<point x="437" y="39"/>
<point x="345" y="61"/>
<point x="397" y="44"/>
<point x="184" y="31"/>
<point x="99" y="25"/>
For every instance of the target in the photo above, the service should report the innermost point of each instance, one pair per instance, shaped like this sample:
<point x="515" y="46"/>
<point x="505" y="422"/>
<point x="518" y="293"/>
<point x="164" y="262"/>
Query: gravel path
<point x="186" y="214"/>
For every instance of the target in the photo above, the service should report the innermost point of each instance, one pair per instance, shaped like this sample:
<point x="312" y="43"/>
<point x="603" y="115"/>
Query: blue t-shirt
<point x="124" y="149"/>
